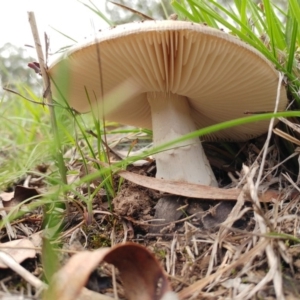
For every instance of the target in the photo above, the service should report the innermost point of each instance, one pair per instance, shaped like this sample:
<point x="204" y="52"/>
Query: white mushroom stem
<point x="186" y="161"/>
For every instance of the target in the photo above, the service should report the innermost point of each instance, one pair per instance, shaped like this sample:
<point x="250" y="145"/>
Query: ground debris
<point x="133" y="201"/>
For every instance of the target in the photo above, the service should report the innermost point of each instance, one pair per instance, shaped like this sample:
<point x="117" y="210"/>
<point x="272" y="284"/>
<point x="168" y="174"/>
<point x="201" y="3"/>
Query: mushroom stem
<point x="186" y="161"/>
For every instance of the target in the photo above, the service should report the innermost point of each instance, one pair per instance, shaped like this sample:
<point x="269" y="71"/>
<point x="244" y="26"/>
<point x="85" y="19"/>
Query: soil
<point x="193" y="239"/>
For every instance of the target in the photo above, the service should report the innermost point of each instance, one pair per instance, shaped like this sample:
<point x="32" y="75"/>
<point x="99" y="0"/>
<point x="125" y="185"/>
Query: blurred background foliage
<point x="14" y="70"/>
<point x="157" y="9"/>
<point x="154" y="9"/>
<point x="14" y="60"/>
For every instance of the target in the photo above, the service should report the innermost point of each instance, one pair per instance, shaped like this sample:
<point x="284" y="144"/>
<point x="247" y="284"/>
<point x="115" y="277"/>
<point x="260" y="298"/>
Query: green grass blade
<point x="250" y="37"/>
<point x="295" y="8"/>
<point x="274" y="32"/>
<point x="164" y="9"/>
<point x="94" y="9"/>
<point x="63" y="34"/>
<point x="258" y="21"/>
<point x="242" y="5"/>
<point x="197" y="133"/>
<point x="182" y="11"/>
<point x="291" y="40"/>
<point x="206" y="18"/>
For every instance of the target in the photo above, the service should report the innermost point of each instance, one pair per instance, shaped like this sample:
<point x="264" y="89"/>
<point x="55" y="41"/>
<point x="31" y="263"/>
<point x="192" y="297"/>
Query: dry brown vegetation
<point x="239" y="241"/>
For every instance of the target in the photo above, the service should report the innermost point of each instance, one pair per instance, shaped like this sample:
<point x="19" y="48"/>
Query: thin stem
<point x="48" y="94"/>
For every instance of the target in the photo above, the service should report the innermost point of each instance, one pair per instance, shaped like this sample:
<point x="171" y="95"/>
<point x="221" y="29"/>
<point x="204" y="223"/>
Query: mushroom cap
<point x="221" y="77"/>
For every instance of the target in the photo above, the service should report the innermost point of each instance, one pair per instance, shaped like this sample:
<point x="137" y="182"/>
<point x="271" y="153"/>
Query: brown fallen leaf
<point x="20" y="194"/>
<point x="19" y="250"/>
<point x="191" y="190"/>
<point x="23" y="193"/>
<point x="140" y="272"/>
<point x="6" y="196"/>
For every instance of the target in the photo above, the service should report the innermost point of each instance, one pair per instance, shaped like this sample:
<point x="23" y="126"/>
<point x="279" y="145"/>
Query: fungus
<point x="173" y="78"/>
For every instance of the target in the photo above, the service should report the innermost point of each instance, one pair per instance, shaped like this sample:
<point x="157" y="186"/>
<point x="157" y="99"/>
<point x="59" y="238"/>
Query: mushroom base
<point x="185" y="161"/>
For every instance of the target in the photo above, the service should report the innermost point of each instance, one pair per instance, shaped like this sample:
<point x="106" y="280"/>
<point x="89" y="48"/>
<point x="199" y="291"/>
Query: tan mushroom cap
<point x="221" y="76"/>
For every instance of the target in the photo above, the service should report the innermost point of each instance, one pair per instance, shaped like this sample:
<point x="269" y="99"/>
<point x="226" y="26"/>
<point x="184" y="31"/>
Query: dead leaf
<point x="36" y="239"/>
<point x="23" y="193"/>
<point x="140" y="272"/>
<point x="19" y="250"/>
<point x="6" y="196"/>
<point x="20" y="194"/>
<point x="191" y="190"/>
<point x="36" y="67"/>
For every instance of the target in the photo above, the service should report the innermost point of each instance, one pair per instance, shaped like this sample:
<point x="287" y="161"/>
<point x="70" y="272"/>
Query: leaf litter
<point x="243" y="247"/>
<point x="213" y="249"/>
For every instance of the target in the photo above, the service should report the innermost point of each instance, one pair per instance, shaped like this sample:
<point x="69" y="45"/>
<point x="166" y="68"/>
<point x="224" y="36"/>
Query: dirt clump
<point x="133" y="201"/>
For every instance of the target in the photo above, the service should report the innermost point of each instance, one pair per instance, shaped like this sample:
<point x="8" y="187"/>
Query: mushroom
<point x="173" y="77"/>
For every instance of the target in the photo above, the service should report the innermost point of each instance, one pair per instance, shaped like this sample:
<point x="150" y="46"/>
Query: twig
<point x="10" y="232"/>
<point x="113" y="269"/>
<point x="32" y="101"/>
<point x="47" y="93"/>
<point x="39" y="51"/>
<point x="12" y="264"/>
<point x="257" y="183"/>
<point x="274" y="272"/>
<point x="132" y="10"/>
<point x="197" y="286"/>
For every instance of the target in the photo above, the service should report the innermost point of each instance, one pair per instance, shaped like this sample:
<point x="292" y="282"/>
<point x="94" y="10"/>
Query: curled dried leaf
<point x="140" y="272"/>
<point x="19" y="250"/>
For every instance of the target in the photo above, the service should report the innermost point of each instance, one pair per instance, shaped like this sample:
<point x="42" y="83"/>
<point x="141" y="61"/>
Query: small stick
<point x="12" y="264"/>
<point x="47" y="93"/>
<point x="39" y="51"/>
<point x="132" y="10"/>
<point x="32" y="101"/>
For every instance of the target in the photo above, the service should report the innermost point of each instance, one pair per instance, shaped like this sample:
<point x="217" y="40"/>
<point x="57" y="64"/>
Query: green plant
<point x="264" y="26"/>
